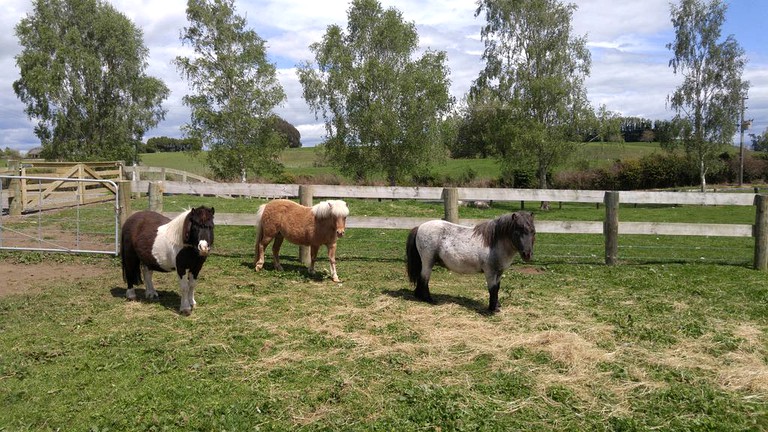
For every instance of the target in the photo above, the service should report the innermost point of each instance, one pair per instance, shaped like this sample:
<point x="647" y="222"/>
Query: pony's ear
<point x="213" y="211"/>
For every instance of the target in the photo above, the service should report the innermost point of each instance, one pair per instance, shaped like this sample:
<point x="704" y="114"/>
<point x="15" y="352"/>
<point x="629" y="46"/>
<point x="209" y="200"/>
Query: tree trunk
<point x="542" y="172"/>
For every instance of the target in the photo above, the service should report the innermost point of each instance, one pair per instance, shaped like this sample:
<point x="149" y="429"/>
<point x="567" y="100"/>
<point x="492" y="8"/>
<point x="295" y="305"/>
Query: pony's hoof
<point x="279" y="268"/>
<point x="130" y="294"/>
<point x="152" y="296"/>
<point x="337" y="280"/>
<point x="425" y="298"/>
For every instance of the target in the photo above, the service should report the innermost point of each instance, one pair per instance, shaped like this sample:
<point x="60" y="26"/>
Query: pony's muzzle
<point x="340" y="233"/>
<point x="526" y="256"/>
<point x="203" y="248"/>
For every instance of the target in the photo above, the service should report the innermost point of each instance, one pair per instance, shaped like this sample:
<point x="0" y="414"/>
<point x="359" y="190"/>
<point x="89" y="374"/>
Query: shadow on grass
<point x="468" y="303"/>
<point x="318" y="276"/>
<point x="168" y="299"/>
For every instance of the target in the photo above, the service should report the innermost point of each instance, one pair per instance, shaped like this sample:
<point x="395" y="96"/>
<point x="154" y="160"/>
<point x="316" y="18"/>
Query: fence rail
<point x="610" y="227"/>
<point x="162" y="174"/>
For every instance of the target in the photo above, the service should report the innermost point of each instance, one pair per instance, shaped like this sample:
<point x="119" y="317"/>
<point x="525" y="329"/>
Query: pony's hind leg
<point x="261" y="245"/>
<point x="493" y="279"/>
<point x="313" y="250"/>
<point x="150" y="293"/>
<point x="276" y="251"/>
<point x="422" y="283"/>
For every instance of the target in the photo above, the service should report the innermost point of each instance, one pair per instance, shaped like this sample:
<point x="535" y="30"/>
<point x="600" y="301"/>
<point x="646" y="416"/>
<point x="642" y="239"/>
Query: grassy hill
<point x="308" y="162"/>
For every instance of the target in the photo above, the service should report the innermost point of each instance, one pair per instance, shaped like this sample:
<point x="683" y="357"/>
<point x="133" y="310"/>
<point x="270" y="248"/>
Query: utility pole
<point x="741" y="142"/>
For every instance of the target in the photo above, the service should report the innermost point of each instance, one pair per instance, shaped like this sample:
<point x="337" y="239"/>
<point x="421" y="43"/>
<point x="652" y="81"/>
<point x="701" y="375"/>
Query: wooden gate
<point x="70" y="227"/>
<point x="48" y="191"/>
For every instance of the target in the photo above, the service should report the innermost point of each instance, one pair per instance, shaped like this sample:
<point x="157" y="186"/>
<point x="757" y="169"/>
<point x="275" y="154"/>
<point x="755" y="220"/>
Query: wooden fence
<point x="47" y="192"/>
<point x="611" y="228"/>
<point x="139" y="172"/>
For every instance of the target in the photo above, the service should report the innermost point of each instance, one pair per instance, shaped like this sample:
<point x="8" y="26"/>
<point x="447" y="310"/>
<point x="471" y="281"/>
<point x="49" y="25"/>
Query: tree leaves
<point x="236" y="89"/>
<point x="381" y="109"/>
<point x="83" y="79"/>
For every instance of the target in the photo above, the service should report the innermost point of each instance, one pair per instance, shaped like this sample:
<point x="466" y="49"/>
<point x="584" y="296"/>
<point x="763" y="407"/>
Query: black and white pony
<point x="488" y="247"/>
<point x="152" y="242"/>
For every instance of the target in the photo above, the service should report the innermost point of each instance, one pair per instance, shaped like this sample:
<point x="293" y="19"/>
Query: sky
<point x="627" y="39"/>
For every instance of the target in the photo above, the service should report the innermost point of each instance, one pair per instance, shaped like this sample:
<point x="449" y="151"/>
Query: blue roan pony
<point x="152" y="242"/>
<point x="488" y="247"/>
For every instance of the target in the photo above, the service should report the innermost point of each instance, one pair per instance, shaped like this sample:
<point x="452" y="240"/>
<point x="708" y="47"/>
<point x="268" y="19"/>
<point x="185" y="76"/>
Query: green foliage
<point x="168" y="144"/>
<point x="608" y="126"/>
<point x="535" y="70"/>
<point x="709" y="98"/>
<point x="479" y="126"/>
<point x="381" y="108"/>
<point x="288" y="130"/>
<point x="236" y="89"/>
<point x="760" y="141"/>
<point x="9" y="153"/>
<point x="664" y="170"/>
<point x="83" y="80"/>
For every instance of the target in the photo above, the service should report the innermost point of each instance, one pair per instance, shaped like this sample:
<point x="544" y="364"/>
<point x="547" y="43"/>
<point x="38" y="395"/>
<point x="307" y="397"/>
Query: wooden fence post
<point x="15" y="203"/>
<point x="155" y="193"/>
<point x="123" y="202"/>
<point x="451" y="204"/>
<point x="611" y="227"/>
<point x="761" y="232"/>
<point x="306" y="195"/>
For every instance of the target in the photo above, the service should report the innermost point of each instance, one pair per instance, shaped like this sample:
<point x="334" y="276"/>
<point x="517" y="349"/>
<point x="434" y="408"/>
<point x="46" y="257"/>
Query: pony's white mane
<point x="174" y="230"/>
<point x="335" y="208"/>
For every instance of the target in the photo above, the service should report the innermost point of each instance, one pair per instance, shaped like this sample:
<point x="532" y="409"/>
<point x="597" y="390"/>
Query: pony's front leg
<point x="332" y="260"/>
<point x="184" y="290"/>
<point x="192" y="285"/>
<point x="150" y="293"/>
<point x="493" y="279"/>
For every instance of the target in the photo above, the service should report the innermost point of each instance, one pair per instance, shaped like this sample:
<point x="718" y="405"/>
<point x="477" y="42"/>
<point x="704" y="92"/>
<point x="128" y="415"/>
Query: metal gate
<point x="72" y="215"/>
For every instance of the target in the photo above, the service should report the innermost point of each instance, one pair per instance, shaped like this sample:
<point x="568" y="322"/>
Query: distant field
<point x="308" y="162"/>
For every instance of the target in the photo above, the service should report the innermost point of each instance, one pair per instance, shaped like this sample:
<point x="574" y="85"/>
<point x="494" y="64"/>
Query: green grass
<point x="674" y="338"/>
<point x="577" y="346"/>
<point x="307" y="163"/>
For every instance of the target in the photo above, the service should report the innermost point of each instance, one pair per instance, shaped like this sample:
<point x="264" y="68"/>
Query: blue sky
<point x="630" y="72"/>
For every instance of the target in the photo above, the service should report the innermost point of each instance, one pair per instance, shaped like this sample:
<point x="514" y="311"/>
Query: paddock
<point x="577" y="345"/>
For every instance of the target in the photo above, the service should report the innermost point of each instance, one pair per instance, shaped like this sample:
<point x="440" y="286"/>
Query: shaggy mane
<point x="335" y="208"/>
<point x="503" y="226"/>
<point x="174" y="230"/>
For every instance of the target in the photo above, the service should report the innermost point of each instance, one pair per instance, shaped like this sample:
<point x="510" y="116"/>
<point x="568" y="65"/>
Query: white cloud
<point x="627" y="40"/>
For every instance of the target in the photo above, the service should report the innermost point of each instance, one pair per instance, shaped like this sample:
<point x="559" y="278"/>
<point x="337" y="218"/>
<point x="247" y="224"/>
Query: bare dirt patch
<point x="24" y="278"/>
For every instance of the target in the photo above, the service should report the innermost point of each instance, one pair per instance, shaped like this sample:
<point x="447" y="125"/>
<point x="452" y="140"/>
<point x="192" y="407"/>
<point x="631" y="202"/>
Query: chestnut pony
<point x="313" y="226"/>
<point x="152" y="242"/>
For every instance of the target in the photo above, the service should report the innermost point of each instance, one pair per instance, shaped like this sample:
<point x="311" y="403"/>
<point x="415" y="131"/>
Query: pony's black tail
<point x="413" y="258"/>
<point x="130" y="262"/>
<point x="414" y="266"/>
